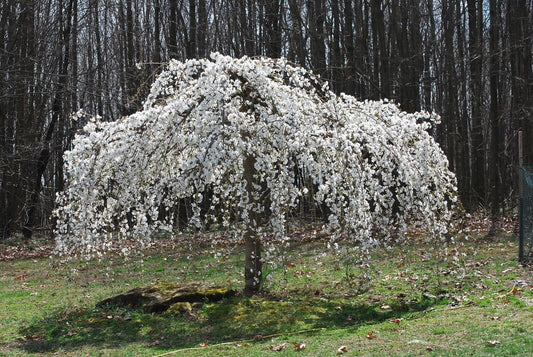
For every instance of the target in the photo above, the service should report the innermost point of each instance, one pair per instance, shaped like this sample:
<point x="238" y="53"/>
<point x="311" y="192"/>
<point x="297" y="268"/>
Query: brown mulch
<point x="473" y="223"/>
<point x="479" y="223"/>
<point x="8" y="252"/>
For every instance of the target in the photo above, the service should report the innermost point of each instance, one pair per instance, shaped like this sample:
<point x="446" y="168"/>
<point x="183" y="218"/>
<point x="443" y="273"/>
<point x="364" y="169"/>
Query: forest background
<point x="468" y="60"/>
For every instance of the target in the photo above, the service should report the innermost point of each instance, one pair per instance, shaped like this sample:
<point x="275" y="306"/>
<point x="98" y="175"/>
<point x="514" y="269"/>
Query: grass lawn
<point x="420" y="301"/>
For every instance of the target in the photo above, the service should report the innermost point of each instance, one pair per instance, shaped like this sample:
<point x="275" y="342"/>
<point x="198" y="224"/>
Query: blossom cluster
<point x="375" y="167"/>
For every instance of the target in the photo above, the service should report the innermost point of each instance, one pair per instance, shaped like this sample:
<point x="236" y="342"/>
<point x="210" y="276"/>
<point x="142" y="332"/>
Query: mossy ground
<point x="477" y="302"/>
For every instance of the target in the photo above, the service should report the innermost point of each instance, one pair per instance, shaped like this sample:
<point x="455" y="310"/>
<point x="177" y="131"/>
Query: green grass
<point x="439" y="305"/>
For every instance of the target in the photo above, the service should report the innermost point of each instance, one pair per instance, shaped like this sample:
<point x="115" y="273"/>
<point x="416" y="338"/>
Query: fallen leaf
<point x="429" y="349"/>
<point x="299" y="346"/>
<point x="370" y="335"/>
<point x="385" y="307"/>
<point x="155" y="343"/>
<point x="495" y="317"/>
<point x="493" y="343"/>
<point x="204" y="344"/>
<point x="395" y="321"/>
<point x="278" y="347"/>
<point x="342" y="349"/>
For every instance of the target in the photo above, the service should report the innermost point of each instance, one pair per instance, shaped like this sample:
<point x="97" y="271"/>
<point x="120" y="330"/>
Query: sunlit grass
<point x="416" y="303"/>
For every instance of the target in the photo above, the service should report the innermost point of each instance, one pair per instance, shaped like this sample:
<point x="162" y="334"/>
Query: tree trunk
<point x="429" y="57"/>
<point x="191" y="43"/>
<point x="272" y="28"/>
<point x="253" y="264"/>
<point x="336" y="58"/>
<point x="350" y="72"/>
<point x="494" y="113"/>
<point x="316" y="18"/>
<point x="475" y="49"/>
<point x="172" y="40"/>
<point x="202" y="29"/>
<point x="463" y="149"/>
<point x="380" y="53"/>
<point x="297" y="45"/>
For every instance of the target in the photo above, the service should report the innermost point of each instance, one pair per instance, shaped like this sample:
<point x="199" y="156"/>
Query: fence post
<point x="521" y="240"/>
<point x="520" y="163"/>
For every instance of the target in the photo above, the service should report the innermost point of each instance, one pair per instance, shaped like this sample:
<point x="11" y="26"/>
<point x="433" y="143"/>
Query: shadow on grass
<point x="231" y="319"/>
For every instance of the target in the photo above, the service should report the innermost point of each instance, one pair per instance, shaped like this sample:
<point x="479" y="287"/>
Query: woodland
<point x="470" y="61"/>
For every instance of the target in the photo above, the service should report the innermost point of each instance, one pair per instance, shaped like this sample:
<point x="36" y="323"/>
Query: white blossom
<point x="375" y="167"/>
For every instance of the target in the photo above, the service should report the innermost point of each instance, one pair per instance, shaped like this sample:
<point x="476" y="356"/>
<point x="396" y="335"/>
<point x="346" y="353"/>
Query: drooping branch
<point x="231" y="136"/>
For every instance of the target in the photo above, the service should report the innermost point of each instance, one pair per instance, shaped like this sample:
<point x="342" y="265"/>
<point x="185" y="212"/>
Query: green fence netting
<point x="525" y="249"/>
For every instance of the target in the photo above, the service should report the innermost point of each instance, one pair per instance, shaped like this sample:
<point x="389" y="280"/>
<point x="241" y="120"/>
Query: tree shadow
<point x="232" y="319"/>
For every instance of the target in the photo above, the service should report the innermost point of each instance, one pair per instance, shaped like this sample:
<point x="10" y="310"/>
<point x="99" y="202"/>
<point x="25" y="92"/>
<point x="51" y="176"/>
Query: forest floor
<point x="472" y="298"/>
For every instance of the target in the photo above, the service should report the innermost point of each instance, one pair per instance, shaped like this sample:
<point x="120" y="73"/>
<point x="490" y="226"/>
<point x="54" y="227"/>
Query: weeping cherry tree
<point x="228" y="135"/>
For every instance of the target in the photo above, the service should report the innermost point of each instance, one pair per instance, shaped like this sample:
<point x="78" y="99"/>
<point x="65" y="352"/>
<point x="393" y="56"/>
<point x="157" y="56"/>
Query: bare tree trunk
<point x="247" y="25"/>
<point x="298" y="43"/>
<point x="475" y="18"/>
<point x="336" y="58"/>
<point x="316" y="17"/>
<point x="463" y="148"/>
<point x="272" y="27"/>
<point x="449" y="109"/>
<point x="202" y="29"/>
<point x="494" y="113"/>
<point x="363" y="64"/>
<point x="6" y="159"/>
<point x="380" y="53"/>
<point x="409" y="41"/>
<point x="350" y="71"/>
<point x="429" y="56"/>
<point x="172" y="40"/>
<point x="191" y="43"/>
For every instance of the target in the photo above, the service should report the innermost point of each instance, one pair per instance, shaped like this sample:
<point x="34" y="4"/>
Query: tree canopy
<point x="229" y="135"/>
